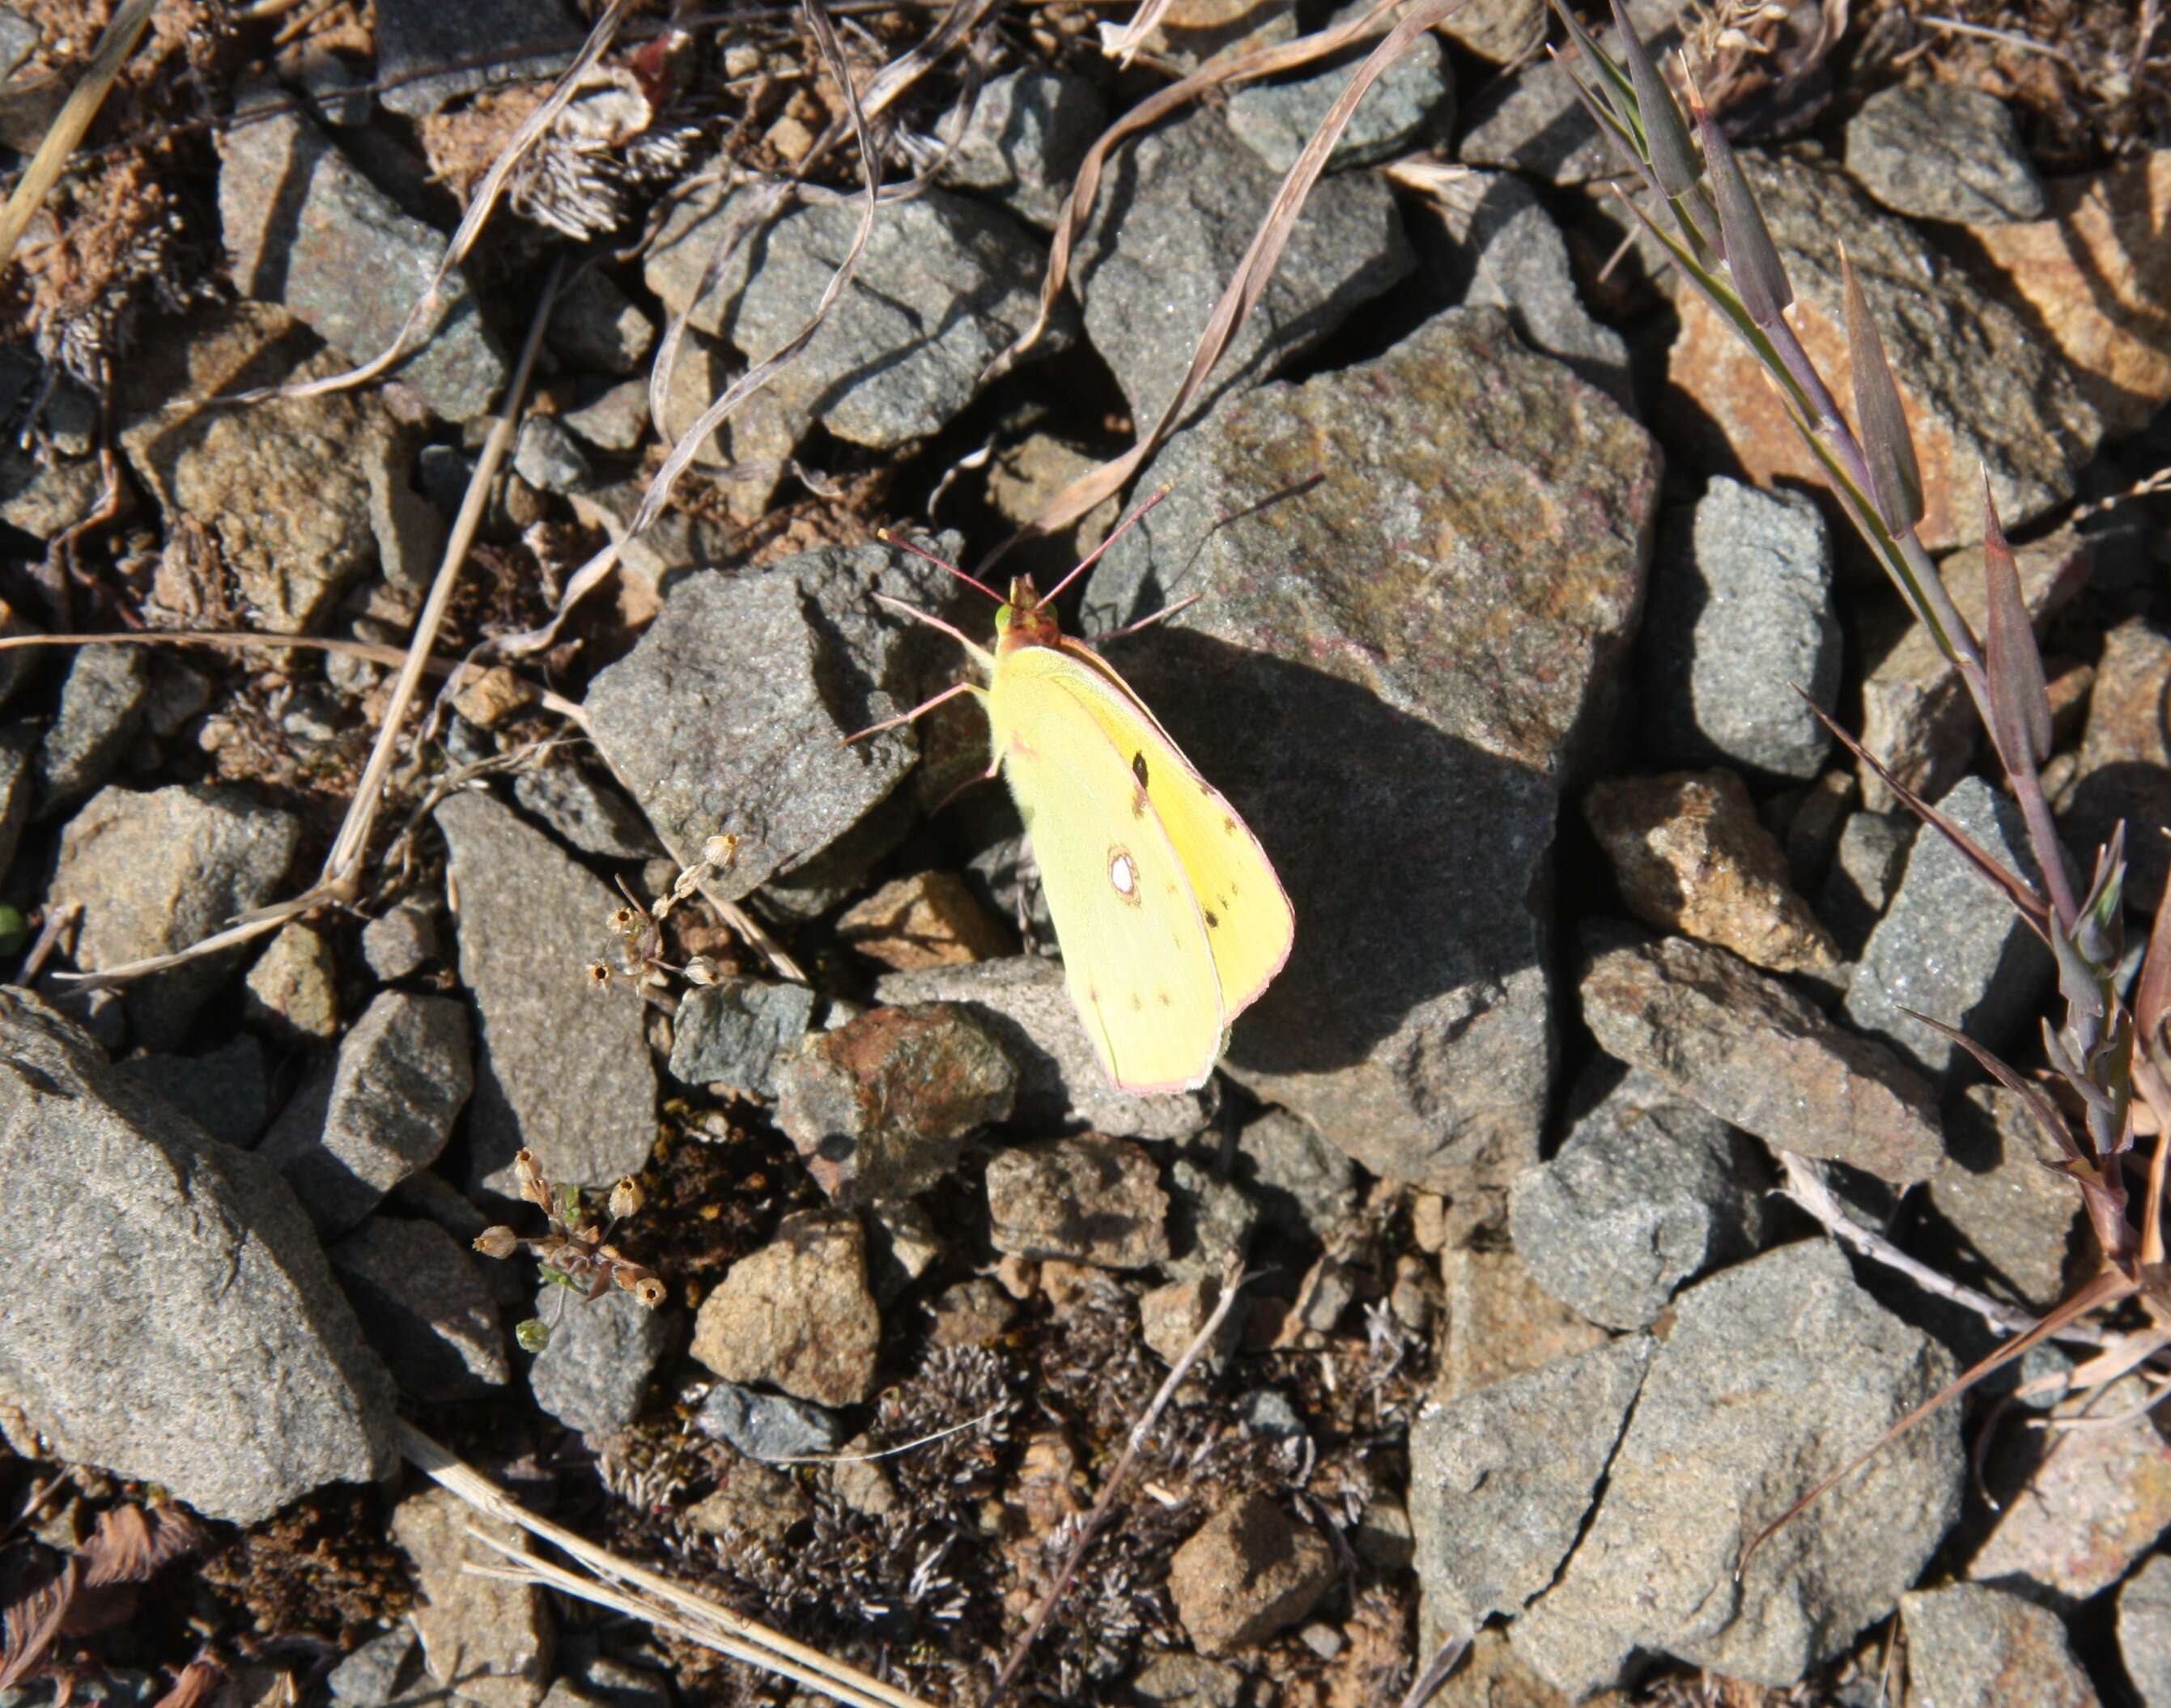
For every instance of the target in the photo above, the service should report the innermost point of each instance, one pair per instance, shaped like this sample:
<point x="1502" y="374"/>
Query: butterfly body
<point x="1170" y="916"/>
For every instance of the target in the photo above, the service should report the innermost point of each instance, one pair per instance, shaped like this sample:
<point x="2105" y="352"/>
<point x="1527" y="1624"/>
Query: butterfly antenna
<point x="1160" y="616"/>
<point x="920" y="551"/>
<point x="1093" y="557"/>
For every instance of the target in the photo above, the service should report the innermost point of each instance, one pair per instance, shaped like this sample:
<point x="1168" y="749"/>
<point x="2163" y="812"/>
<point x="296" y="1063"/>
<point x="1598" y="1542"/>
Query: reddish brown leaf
<point x="1896" y="480"/>
<point x="133" y="1542"/>
<point x="30" y="1624"/>
<point x="195" y="1684"/>
<point x="2020" y="699"/>
<point x="1752" y="260"/>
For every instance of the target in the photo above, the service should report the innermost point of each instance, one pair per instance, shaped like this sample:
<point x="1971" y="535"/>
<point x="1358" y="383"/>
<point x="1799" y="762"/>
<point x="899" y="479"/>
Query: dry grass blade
<point x="646" y="1594"/>
<point x="2020" y="699"/>
<point x="1251" y="278"/>
<point x="480" y="206"/>
<point x="1078" y="205"/>
<point x="2016" y="889"/>
<point x="1123" y="45"/>
<point x="2108" y="1288"/>
<point x="69" y="124"/>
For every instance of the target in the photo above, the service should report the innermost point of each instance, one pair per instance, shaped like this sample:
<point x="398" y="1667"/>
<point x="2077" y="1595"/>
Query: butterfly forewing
<point x="1135" y="944"/>
<point x="1249" y="922"/>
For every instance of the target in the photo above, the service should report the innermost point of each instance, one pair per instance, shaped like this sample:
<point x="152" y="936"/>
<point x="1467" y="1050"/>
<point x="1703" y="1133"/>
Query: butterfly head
<point x="1026" y="619"/>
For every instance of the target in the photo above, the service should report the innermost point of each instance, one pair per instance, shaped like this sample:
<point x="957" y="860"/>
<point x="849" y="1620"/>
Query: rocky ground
<point x="1520" y="599"/>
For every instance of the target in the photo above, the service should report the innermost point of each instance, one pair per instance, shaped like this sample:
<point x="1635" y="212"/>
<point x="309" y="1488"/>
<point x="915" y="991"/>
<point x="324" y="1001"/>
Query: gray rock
<point x="485" y="1641"/>
<point x="945" y="284"/>
<point x="2017" y="1222"/>
<point x="380" y="1111"/>
<point x="879" y="1107"/>
<point x="1950" y="946"/>
<point x="18" y="664"/>
<point x="1970" y="1646"/>
<point x="429" y="56"/>
<point x="1084" y="1200"/>
<point x="1777" y="1372"/>
<point x="1646" y="1192"/>
<point x="1501" y="1480"/>
<point x="1503" y="250"/>
<point x="156" y="872"/>
<point x="546" y="457"/>
<point x="1175" y="1679"/>
<point x="300" y="496"/>
<point x="729" y="716"/>
<point x="2144" y="1631"/>
<point x="1865" y="869"/>
<point x="596" y="325"/>
<point x="373" y="1675"/>
<point x="615" y="419"/>
<point x="19" y="40"/>
<point x="402" y="940"/>
<point x="1530" y="121"/>
<point x="562" y="1068"/>
<point x="1268" y="1414"/>
<point x="102" y="699"/>
<point x="592" y="816"/>
<point x="592" y="1375"/>
<point x="424" y="1308"/>
<point x="1302" y="1185"/>
<point x="1943" y="150"/>
<point x="1740" y="615"/>
<point x="1917" y="719"/>
<point x="18" y="749"/>
<point x="767" y="1426"/>
<point x="1024" y="1002"/>
<point x="739" y="1032"/>
<point x="1174" y="216"/>
<point x="1030" y="130"/>
<point x="1746" y="1047"/>
<point x="43" y="493"/>
<point x="1412" y="102"/>
<point x="1383" y="552"/>
<point x="1209" y="1219"/>
<point x="171" y="1317"/>
<point x="292" y="991"/>
<point x="223" y="1091"/>
<point x="304" y="228"/>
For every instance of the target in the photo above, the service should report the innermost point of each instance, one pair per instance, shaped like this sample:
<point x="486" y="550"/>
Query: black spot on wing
<point x="1139" y="768"/>
<point x="1213" y="919"/>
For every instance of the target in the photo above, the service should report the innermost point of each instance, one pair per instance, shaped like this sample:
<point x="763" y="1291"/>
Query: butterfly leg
<point x="919" y="710"/>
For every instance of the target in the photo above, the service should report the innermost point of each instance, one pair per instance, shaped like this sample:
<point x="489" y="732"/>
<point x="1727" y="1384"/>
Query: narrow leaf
<point x="2152" y="993"/>
<point x="2016" y="888"/>
<point x="2079" y="982"/>
<point x="1896" y="479"/>
<point x="2020" y="699"/>
<point x="1665" y="135"/>
<point x="1751" y="257"/>
<point x="1620" y="92"/>
<point x="2033" y="1096"/>
<point x="2100" y="931"/>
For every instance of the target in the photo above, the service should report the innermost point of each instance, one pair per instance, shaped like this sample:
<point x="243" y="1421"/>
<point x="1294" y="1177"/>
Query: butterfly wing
<point x="1249" y="922"/>
<point x="1135" y="948"/>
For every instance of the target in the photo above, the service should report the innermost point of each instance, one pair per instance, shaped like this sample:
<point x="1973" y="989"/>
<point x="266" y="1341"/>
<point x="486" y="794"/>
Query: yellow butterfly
<point x="1169" y="914"/>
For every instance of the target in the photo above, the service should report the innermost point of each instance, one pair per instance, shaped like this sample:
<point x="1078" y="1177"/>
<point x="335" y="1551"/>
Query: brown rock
<point x="2096" y="275"/>
<point x="1980" y="389"/>
<point x="484" y="1640"/>
<point x="879" y="1107"/>
<point x="1500" y="1322"/>
<point x="929" y="919"/>
<point x="751" y="1500"/>
<point x="1917" y="717"/>
<point x="1751" y="1050"/>
<point x="1248" y="1572"/>
<point x="1170" y="1317"/>
<point x="292" y="990"/>
<point x="492" y="697"/>
<point x="1087" y="1199"/>
<point x="2092" y="1506"/>
<point x="973" y="1313"/>
<point x="797" y="1313"/>
<point x="2126" y="759"/>
<point x="1691" y="857"/>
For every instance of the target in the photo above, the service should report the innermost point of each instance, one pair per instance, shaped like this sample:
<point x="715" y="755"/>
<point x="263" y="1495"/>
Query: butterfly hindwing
<point x="1249" y="923"/>
<point x="1135" y="945"/>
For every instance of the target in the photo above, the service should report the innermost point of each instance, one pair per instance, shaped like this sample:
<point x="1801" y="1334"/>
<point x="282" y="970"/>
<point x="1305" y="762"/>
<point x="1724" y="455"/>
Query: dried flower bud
<point x="624" y="921"/>
<point x="497" y="1242"/>
<point x="598" y="974"/>
<point x="649" y="1290"/>
<point x="533" y="1335"/>
<point x="529" y="1175"/>
<point x="701" y="970"/>
<point x="626" y="1199"/>
<point x="720" y="852"/>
